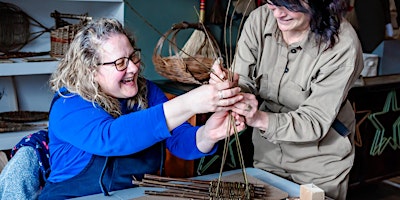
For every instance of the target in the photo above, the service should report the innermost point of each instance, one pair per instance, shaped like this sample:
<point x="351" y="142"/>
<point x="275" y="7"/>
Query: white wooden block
<point x="311" y="192"/>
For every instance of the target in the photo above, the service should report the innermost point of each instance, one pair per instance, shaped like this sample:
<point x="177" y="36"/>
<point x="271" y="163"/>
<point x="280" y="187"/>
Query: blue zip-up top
<point x="78" y="129"/>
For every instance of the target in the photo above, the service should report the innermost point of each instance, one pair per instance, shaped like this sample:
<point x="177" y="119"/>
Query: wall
<point x="162" y="15"/>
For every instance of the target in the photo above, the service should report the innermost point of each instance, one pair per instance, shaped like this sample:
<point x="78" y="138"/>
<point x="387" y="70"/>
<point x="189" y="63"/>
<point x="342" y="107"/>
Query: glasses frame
<point x="135" y="54"/>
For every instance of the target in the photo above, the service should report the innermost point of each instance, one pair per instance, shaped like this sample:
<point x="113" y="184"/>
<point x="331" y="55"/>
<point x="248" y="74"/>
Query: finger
<point x="217" y="70"/>
<point x="230" y="101"/>
<point x="221" y="94"/>
<point x="231" y="92"/>
<point x="244" y="109"/>
<point x="214" y="79"/>
<point x="248" y="107"/>
<point x="235" y="79"/>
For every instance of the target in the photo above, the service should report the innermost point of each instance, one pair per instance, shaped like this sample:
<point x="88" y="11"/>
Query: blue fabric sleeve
<point x="78" y="129"/>
<point x="91" y="129"/>
<point x="182" y="143"/>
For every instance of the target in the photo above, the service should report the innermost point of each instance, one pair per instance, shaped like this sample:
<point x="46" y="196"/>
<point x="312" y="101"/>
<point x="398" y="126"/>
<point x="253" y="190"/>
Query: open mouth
<point x="128" y="80"/>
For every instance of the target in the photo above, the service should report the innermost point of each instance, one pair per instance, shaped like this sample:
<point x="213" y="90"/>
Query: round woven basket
<point x="176" y="66"/>
<point x="14" y="27"/>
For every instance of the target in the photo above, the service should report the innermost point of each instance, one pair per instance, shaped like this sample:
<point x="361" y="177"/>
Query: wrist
<point x="203" y="143"/>
<point x="261" y="121"/>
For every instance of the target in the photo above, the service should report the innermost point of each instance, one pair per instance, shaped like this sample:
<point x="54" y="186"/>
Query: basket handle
<point x="70" y="16"/>
<point x="83" y="18"/>
<point x="187" y="25"/>
<point x="160" y="43"/>
<point x="174" y="31"/>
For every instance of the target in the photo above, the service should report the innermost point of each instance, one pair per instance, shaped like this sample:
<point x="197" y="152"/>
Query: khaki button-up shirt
<point x="302" y="87"/>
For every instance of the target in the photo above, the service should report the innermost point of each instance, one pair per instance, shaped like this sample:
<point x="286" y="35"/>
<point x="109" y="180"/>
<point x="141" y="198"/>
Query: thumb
<point x="217" y="70"/>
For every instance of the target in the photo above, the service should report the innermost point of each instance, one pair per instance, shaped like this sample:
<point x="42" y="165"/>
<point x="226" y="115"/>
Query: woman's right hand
<point x="203" y="99"/>
<point x="214" y="97"/>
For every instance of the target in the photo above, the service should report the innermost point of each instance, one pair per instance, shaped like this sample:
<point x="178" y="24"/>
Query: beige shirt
<point x="302" y="86"/>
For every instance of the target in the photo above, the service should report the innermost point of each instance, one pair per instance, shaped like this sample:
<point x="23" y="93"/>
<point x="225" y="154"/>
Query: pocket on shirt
<point x="293" y="94"/>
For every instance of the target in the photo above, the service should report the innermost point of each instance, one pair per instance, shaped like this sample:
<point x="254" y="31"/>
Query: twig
<point x="168" y="179"/>
<point x="181" y="194"/>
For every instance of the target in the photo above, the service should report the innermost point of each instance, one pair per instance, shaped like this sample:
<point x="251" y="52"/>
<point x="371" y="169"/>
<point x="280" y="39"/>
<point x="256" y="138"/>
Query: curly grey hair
<point x="76" y="70"/>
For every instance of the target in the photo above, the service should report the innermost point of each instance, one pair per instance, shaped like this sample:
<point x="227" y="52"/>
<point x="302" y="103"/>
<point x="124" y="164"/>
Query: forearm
<point x="177" y="111"/>
<point x="204" y="144"/>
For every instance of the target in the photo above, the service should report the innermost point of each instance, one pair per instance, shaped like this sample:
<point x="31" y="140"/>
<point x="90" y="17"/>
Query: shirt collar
<point x="308" y="44"/>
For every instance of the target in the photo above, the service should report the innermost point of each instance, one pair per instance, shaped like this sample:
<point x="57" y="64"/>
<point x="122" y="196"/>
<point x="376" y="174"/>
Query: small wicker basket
<point x="189" y="69"/>
<point x="61" y="37"/>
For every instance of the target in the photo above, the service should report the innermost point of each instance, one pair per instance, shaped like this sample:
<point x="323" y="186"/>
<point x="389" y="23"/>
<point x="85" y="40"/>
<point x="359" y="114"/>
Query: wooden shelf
<point x="27" y="68"/>
<point x="25" y="84"/>
<point x="36" y="10"/>
<point x="10" y="139"/>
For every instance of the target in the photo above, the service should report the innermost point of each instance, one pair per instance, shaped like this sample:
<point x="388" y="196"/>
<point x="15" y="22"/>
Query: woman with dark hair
<point x="297" y="60"/>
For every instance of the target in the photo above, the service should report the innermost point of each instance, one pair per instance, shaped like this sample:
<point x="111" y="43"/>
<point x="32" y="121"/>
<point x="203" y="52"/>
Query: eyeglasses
<point x="122" y="63"/>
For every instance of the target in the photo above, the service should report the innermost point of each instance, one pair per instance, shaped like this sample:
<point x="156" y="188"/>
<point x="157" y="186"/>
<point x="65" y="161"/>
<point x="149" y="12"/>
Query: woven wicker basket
<point x="61" y="37"/>
<point x="14" y="27"/>
<point x="190" y="69"/>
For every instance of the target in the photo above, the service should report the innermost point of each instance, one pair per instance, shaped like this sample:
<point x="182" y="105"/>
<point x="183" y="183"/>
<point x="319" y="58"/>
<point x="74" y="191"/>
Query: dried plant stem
<point x="199" y="189"/>
<point x="180" y="194"/>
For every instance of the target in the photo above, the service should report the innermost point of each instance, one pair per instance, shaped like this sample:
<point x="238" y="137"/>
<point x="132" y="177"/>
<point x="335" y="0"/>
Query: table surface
<point x="291" y="188"/>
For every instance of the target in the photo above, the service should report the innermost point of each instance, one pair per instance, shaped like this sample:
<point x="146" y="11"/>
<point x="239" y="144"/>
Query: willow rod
<point x="228" y="55"/>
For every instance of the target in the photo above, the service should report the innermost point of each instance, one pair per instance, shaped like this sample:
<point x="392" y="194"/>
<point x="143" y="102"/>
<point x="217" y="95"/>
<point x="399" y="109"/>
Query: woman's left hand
<point x="248" y="107"/>
<point x="220" y="74"/>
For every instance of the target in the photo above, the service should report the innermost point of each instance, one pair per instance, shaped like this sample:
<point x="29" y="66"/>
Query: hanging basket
<point x="62" y="36"/>
<point x="177" y="65"/>
<point x="14" y="28"/>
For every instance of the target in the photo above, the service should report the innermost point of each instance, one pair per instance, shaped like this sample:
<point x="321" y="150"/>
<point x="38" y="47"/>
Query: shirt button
<point x="293" y="51"/>
<point x="286" y="70"/>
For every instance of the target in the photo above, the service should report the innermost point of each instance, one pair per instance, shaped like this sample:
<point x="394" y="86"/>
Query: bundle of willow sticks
<point x="201" y="189"/>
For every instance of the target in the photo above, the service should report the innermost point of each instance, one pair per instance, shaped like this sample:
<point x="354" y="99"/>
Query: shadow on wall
<point x="371" y="23"/>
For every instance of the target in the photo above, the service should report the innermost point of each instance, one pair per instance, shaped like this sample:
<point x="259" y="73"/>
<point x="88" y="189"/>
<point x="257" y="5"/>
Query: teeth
<point x="127" y="80"/>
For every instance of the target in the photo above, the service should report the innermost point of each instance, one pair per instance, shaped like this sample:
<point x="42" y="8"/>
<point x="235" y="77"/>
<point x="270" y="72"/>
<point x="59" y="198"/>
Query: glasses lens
<point x="135" y="57"/>
<point x="121" y="64"/>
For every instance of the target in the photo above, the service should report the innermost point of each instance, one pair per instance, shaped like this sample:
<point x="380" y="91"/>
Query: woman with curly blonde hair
<point x="108" y="125"/>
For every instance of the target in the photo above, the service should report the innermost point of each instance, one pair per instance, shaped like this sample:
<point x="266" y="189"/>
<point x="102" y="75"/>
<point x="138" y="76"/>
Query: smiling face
<point x="292" y="24"/>
<point x="118" y="84"/>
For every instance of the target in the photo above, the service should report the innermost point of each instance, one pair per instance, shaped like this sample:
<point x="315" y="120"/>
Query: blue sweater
<point x="78" y="129"/>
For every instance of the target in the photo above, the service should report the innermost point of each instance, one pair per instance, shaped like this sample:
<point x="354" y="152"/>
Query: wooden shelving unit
<point x="23" y="85"/>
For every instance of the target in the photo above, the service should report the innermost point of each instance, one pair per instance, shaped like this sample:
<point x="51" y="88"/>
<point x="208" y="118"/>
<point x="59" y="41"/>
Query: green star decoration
<point x="380" y="142"/>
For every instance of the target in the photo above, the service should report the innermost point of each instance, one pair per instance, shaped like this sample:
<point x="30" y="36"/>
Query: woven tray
<point x="6" y="126"/>
<point x="23" y="116"/>
<point x="10" y="126"/>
